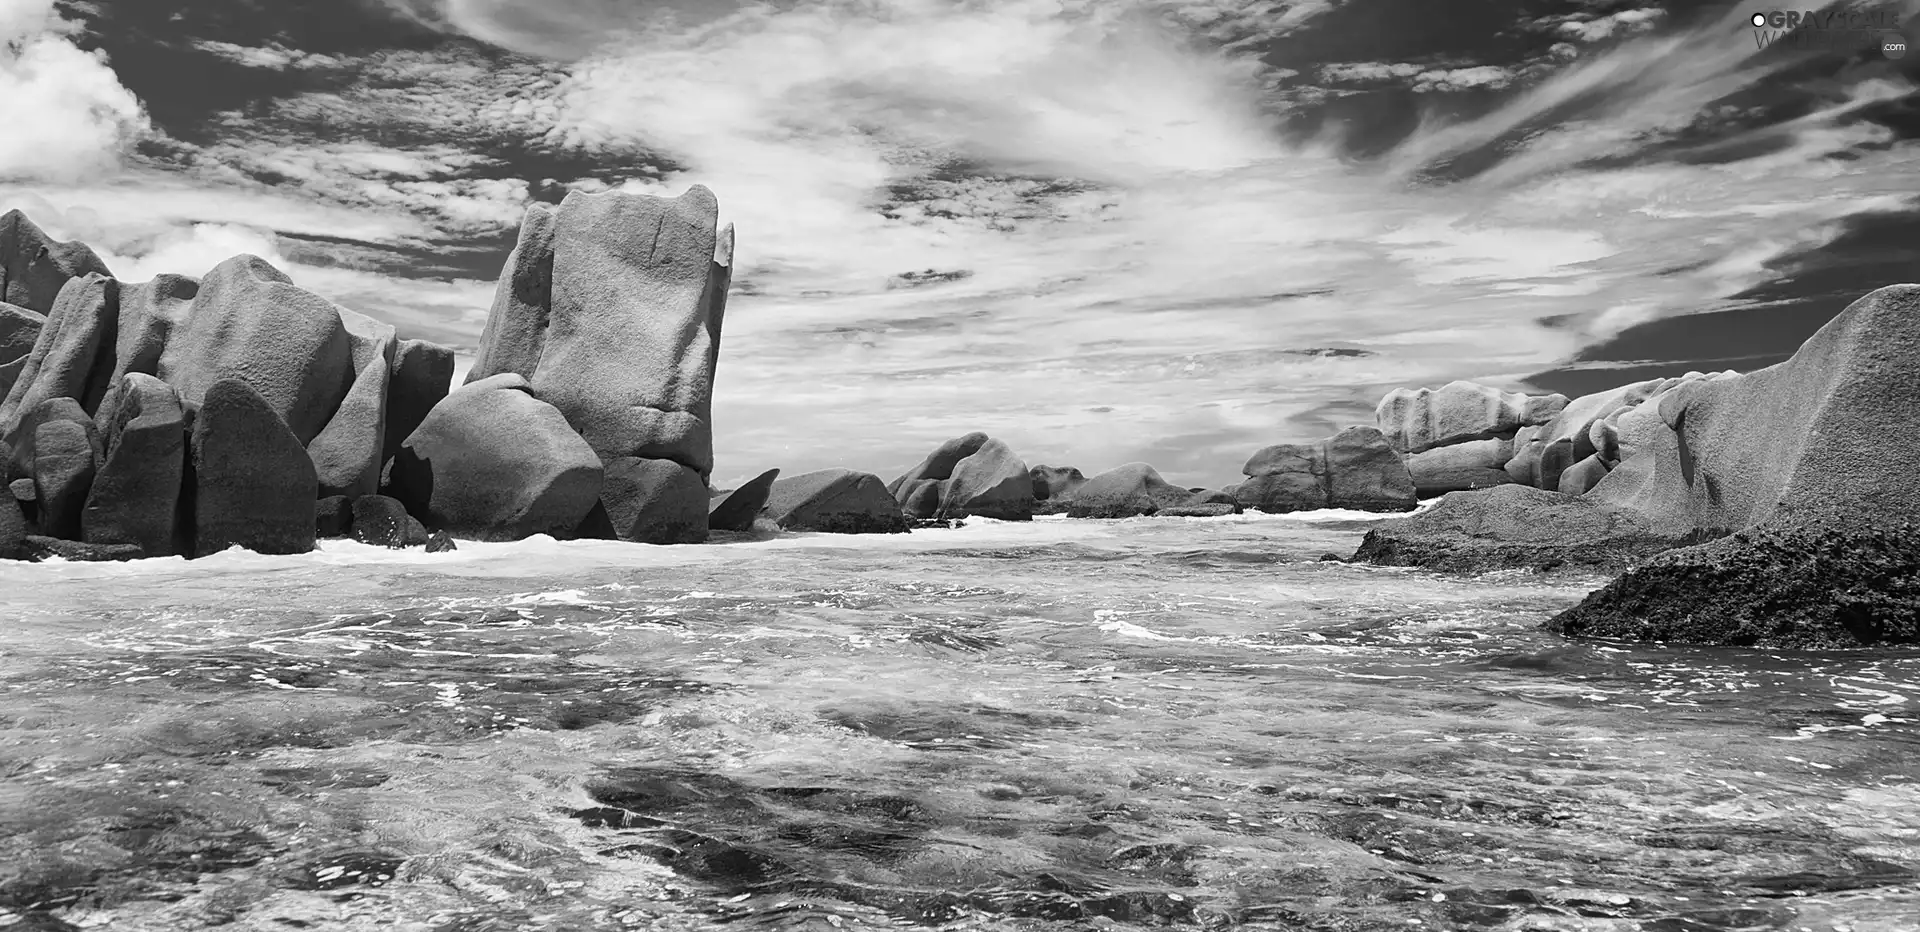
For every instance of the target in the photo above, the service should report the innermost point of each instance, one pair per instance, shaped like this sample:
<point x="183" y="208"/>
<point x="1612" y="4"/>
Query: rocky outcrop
<point x="349" y="452"/>
<point x="1128" y="491"/>
<point x="19" y="330"/>
<point x="67" y="356"/>
<point x="1780" y="586"/>
<point x="63" y="469"/>
<point x="653" y="501"/>
<point x="1053" y="486"/>
<point x="135" y="498"/>
<point x="1414" y="420"/>
<point x="492" y="462"/>
<point x="34" y="267"/>
<point x="1354" y="469"/>
<point x="970" y="475"/>
<point x="254" y="485"/>
<point x="1581" y="477"/>
<point x="422" y="376"/>
<point x="1511" y="527"/>
<point x="839" y="501"/>
<point x="516" y="330"/>
<point x="1459" y="467"/>
<point x="736" y="510"/>
<point x="1588" y="426"/>
<point x="380" y="521"/>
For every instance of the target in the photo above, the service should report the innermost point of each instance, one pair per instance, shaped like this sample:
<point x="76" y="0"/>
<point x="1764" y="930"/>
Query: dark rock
<point x="1799" y="586"/>
<point x="422" y="376"/>
<point x="63" y="470"/>
<point x="39" y="547"/>
<point x="1460" y="467"/>
<point x="380" y="521"/>
<point x="13" y="531"/>
<point x="72" y="358"/>
<point x="254" y="485"/>
<point x="34" y="267"/>
<point x="1125" y="492"/>
<point x="19" y="330"/>
<point x="441" y="543"/>
<point x="52" y="409"/>
<point x="492" y="462"/>
<point x="516" y="328"/>
<point x="333" y="517"/>
<point x="1414" y="420"/>
<point x="1354" y="469"/>
<point x="971" y="475"/>
<point x="249" y="321"/>
<point x="1514" y="526"/>
<point x="417" y="535"/>
<point x="1201" y="510"/>
<point x="838" y="501"/>
<point x="348" y="453"/>
<point x="1055" y="482"/>
<point x="1555" y="458"/>
<point x="596" y="525"/>
<point x="736" y="510"/>
<point x="633" y="334"/>
<point x="1581" y="477"/>
<point x="135" y="498"/>
<point x="655" y="501"/>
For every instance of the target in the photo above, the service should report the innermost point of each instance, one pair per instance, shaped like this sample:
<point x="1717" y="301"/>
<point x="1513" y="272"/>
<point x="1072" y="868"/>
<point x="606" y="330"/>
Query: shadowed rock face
<point x="834" y="500"/>
<point x="66" y="358"/>
<point x="1355" y="469"/>
<point x="254" y="485"/>
<point x="136" y="495"/>
<point x="736" y="510"/>
<point x="34" y="267"/>
<point x="970" y="475"/>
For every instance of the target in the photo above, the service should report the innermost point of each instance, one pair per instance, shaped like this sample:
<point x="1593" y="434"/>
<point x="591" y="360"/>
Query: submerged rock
<point x="1775" y="586"/>
<point x="839" y="501"/>
<point x="1514" y="526"/>
<point x="1354" y="469"/>
<point x="40" y="547"/>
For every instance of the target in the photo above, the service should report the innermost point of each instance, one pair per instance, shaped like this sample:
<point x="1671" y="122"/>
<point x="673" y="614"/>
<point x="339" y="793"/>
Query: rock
<point x="34" y="267"/>
<point x="1803" y="585"/>
<point x="348" y="453"/>
<point x="655" y="501"/>
<point x="13" y="532"/>
<point x="422" y="376"/>
<point x="633" y="334"/>
<point x="333" y="517"/>
<point x="63" y="470"/>
<point x="1555" y="458"/>
<point x="135" y="498"/>
<point x="380" y="521"/>
<point x="19" y="330"/>
<point x="39" y="547"/>
<point x="1459" y="467"/>
<point x="971" y="475"/>
<point x="736" y="510"/>
<point x="1415" y="420"/>
<point x="1524" y="465"/>
<point x="249" y="321"/>
<point x="1581" y="477"/>
<point x="1055" y="482"/>
<point x="492" y="462"/>
<point x="837" y="501"/>
<point x="1514" y="526"/>
<point x="1354" y="469"/>
<point x="440" y="542"/>
<point x="1200" y="510"/>
<point x="516" y="330"/>
<point x="53" y="409"/>
<point x="254" y="485"/>
<point x="1124" y="492"/>
<point x="149" y="314"/>
<point x="1579" y="426"/>
<point x="23" y="490"/>
<point x="417" y="535"/>
<point x="72" y="358"/>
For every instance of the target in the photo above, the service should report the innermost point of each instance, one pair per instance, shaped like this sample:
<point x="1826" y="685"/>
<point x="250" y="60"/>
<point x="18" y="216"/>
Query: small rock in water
<point x="380" y="521"/>
<point x="41" y="548"/>
<point x="334" y="518"/>
<point x="440" y="542"/>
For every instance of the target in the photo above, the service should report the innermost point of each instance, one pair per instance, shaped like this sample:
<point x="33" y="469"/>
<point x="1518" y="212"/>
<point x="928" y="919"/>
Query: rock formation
<point x="1128" y="491"/>
<point x="1355" y="469"/>
<point x="736" y="510"/>
<point x="1415" y="420"/>
<point x="970" y="475"/>
<point x="254" y="485"/>
<point x="834" y="500"/>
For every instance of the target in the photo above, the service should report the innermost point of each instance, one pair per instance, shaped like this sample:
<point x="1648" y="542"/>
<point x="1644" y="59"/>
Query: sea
<point x="1056" y="724"/>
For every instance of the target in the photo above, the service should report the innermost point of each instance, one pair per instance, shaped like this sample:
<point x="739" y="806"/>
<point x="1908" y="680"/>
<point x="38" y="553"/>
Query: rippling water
<point x="1050" y="725"/>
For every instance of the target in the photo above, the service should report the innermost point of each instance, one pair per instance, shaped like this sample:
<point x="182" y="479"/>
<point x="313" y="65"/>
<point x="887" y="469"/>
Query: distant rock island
<point x="186" y="416"/>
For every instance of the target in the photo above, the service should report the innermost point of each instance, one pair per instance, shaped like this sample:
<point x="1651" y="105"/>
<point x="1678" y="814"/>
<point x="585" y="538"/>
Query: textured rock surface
<point x="1414" y="420"/>
<point x="34" y="266"/>
<point x="516" y="328"/>
<point x="492" y="462"/>
<point x="839" y="501"/>
<point x="1055" y="482"/>
<point x="72" y="356"/>
<point x="1459" y="467"/>
<point x="40" y="547"/>
<point x="1581" y="477"/>
<point x="333" y="517"/>
<point x="24" y="445"/>
<point x="1127" y="491"/>
<point x="1514" y="526"/>
<point x="136" y="495"/>
<point x="736" y="510"/>
<point x="13" y="531"/>
<point x="19" y="330"/>
<point x="970" y="475"/>
<point x="422" y="376"/>
<point x="380" y="521"/>
<point x="1354" y="469"/>
<point x="63" y="470"/>
<point x="349" y="452"/>
<point x="655" y="501"/>
<point x="254" y="485"/>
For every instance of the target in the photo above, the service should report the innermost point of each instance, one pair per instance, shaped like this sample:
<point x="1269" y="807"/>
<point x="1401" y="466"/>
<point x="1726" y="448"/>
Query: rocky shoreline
<point x="187" y="416"/>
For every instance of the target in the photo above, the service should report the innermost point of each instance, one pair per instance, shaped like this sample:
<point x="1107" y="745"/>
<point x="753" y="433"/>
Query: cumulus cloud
<point x="1622" y="23"/>
<point x="65" y="112"/>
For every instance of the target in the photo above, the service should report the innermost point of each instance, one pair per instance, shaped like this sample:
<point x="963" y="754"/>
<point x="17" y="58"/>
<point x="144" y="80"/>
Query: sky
<point x="1171" y="231"/>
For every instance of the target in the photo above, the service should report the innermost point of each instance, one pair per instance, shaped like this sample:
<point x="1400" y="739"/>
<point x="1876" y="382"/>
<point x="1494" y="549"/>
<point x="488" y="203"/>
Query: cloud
<point x="1624" y="22"/>
<point x="65" y="114"/>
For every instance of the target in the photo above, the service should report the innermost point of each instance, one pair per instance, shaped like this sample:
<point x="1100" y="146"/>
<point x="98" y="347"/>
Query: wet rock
<point x="1055" y="483"/>
<point x="736" y="510"/>
<point x="516" y="328"/>
<point x="333" y="517"/>
<point x="1415" y="420"/>
<point x="1514" y="526"/>
<point x="13" y="531"/>
<point x="63" y="470"/>
<point x="34" y="266"/>
<point x="1200" y="510"/>
<point x="492" y="462"/>
<point x="439" y="542"/>
<point x="417" y="535"/>
<point x="839" y="501"/>
<point x="1581" y="477"/>
<point x="1354" y="469"/>
<point x="970" y="475"/>
<point x="653" y="501"/>
<point x="255" y="486"/>
<point x="72" y="357"/>
<point x="1124" y="492"/>
<point x="249" y="321"/>
<point x="422" y="376"/>
<point x="1460" y="467"/>
<point x="380" y="521"/>
<point x="39" y="547"/>
<point x="135" y="498"/>
<point x="1781" y="586"/>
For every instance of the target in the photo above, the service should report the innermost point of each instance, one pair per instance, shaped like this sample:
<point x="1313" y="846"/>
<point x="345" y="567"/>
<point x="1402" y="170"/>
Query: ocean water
<point x="1060" y="724"/>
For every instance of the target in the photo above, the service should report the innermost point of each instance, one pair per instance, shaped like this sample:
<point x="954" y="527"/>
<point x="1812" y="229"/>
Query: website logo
<point x="1830" y="30"/>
